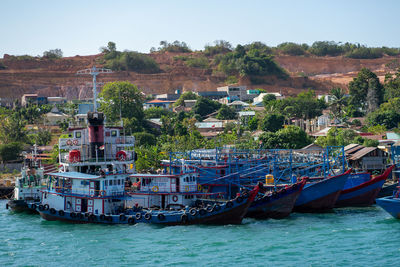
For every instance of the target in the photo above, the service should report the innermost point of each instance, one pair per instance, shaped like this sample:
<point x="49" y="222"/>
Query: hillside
<point x="57" y="77"/>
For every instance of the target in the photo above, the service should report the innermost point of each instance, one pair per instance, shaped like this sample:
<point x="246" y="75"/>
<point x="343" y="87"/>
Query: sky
<point x="82" y="27"/>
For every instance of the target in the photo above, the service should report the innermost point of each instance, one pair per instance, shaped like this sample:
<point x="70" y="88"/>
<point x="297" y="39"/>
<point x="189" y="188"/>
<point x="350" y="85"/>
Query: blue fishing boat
<point x="320" y="195"/>
<point x="361" y="190"/>
<point x="276" y="204"/>
<point x="391" y="204"/>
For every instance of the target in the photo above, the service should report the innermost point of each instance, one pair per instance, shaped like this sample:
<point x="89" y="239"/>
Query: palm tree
<point x="337" y="103"/>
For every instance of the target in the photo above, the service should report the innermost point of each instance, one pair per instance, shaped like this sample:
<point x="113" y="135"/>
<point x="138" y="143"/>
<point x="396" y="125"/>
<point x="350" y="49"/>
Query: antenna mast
<point x="94" y="72"/>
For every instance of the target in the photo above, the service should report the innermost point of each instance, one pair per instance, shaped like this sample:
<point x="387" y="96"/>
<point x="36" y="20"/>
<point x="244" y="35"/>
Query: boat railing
<point x="86" y="192"/>
<point x="64" y="158"/>
<point x="155" y="187"/>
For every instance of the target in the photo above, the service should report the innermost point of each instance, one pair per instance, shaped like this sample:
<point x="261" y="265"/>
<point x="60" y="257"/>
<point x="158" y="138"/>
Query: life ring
<point x="193" y="212"/>
<point x="131" y="220"/>
<point x="122" y="217"/>
<point x="147" y="216"/>
<point x="102" y="193"/>
<point x="184" y="218"/>
<point x="75" y="142"/>
<point x="138" y="216"/>
<point x="239" y="199"/>
<point x="52" y="211"/>
<point x="199" y="187"/>
<point x="229" y="204"/>
<point x="175" y="198"/>
<point x="155" y="189"/>
<point x="69" y="142"/>
<point x="161" y="217"/>
<point x="186" y="188"/>
<point x="61" y="213"/>
<point x="121" y="155"/>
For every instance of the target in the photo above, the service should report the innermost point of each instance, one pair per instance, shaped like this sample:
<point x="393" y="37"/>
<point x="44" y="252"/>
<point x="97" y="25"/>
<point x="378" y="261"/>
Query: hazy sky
<point x="81" y="27"/>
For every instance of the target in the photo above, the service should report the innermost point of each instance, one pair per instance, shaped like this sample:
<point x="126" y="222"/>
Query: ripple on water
<point x="356" y="237"/>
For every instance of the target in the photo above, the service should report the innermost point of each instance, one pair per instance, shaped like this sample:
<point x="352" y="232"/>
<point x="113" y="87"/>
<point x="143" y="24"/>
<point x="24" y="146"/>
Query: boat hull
<point x="391" y="205"/>
<point x="275" y="207"/>
<point x="321" y="196"/>
<point x="231" y="212"/>
<point x="20" y="206"/>
<point x="364" y="194"/>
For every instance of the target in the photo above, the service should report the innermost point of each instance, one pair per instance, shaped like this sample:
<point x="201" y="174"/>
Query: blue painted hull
<point x="364" y="193"/>
<point x="390" y="205"/>
<point x="321" y="195"/>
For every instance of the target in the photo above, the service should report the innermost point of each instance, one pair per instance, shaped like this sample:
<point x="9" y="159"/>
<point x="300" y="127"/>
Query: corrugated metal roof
<point x="362" y="153"/>
<point x="353" y="150"/>
<point x="350" y="146"/>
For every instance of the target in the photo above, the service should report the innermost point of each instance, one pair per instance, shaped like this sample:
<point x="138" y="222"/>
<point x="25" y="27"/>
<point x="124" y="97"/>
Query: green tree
<point x="205" y="106"/>
<point x="219" y="47"/>
<point x="292" y="49"/>
<point x="291" y="137"/>
<point x="366" y="91"/>
<point x="272" y="122"/>
<point x="53" y="54"/>
<point x="12" y="129"/>
<point x="226" y="113"/>
<point x="185" y="96"/>
<point x="144" y="139"/>
<point x="253" y="123"/>
<point x="267" y="99"/>
<point x="10" y="151"/>
<point x="392" y="85"/>
<point x="122" y="98"/>
<point x="156" y="112"/>
<point x="338" y="102"/>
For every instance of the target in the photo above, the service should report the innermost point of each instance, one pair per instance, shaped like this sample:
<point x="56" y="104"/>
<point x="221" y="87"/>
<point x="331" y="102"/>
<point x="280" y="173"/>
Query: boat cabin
<point x="80" y="192"/>
<point x="165" y="191"/>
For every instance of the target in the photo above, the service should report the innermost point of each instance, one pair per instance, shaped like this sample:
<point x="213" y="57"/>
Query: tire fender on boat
<point x="147" y="216"/>
<point x="122" y="217"/>
<point x="161" y="217"/>
<point x="209" y="208"/>
<point x="52" y="211"/>
<point x="61" y="213"/>
<point x="41" y="207"/>
<point x="72" y="215"/>
<point x="216" y="207"/>
<point x="33" y="206"/>
<point x="229" y="204"/>
<point x="202" y="212"/>
<point x="92" y="217"/>
<point x="239" y="199"/>
<point x="131" y="220"/>
<point x="46" y="207"/>
<point x="193" y="212"/>
<point x="138" y="216"/>
<point x="174" y="198"/>
<point x="102" y="217"/>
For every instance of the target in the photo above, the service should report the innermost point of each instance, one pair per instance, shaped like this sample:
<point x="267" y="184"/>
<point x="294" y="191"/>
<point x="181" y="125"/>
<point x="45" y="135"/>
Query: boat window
<point x="113" y="133"/>
<point x="106" y="182"/>
<point x="119" y="182"/>
<point x="78" y="134"/>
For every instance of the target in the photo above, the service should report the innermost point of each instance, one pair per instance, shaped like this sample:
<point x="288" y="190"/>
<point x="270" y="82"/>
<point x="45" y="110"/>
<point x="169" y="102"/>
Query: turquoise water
<point x="347" y="237"/>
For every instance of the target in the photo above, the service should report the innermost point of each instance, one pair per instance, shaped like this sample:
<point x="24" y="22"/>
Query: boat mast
<point x="94" y="72"/>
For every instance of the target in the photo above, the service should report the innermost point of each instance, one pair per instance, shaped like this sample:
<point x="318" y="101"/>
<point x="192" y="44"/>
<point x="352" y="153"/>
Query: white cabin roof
<point x="74" y="175"/>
